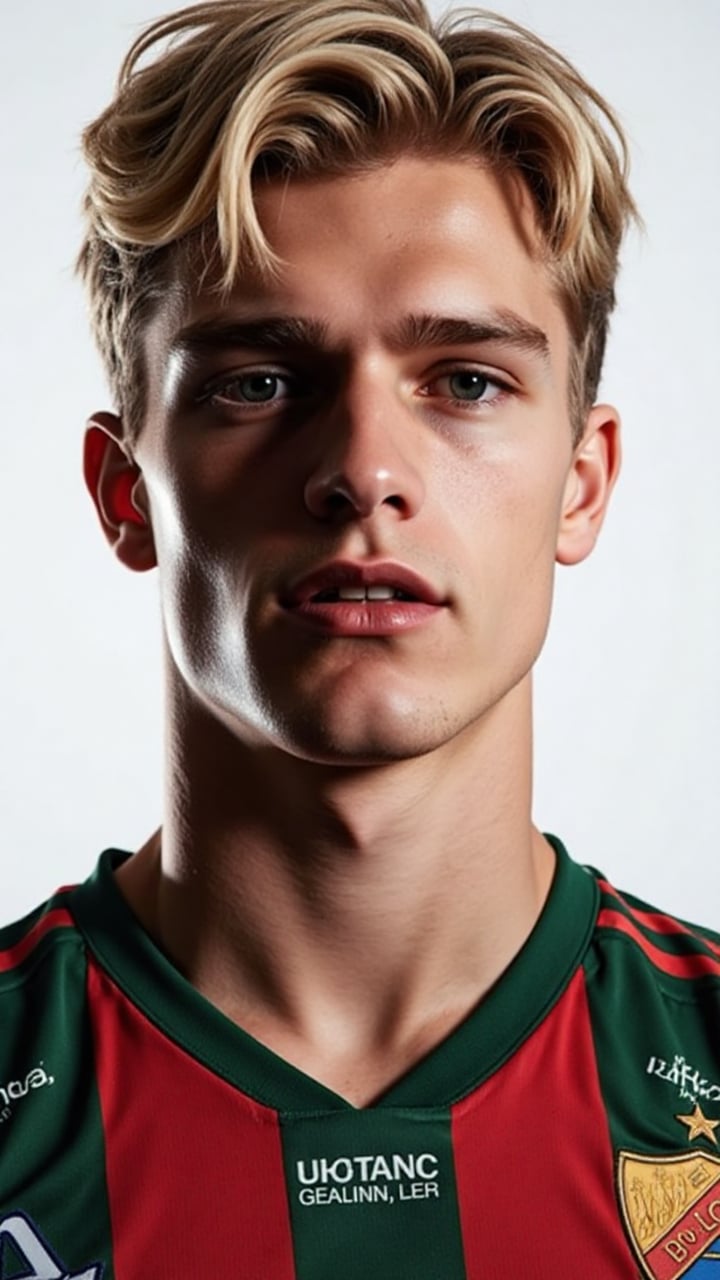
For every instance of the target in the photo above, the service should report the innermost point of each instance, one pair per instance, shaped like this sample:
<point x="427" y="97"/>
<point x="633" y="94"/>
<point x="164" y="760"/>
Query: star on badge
<point x="699" y="1126"/>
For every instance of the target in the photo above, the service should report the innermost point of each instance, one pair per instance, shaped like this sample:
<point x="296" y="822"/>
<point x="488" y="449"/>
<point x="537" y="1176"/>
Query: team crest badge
<point x="671" y="1207"/>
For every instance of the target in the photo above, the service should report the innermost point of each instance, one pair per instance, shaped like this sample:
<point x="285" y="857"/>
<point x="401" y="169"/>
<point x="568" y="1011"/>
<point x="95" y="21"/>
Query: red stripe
<point x="660" y="922"/>
<point x="58" y="918"/>
<point x="690" y="966"/>
<point x="534" y="1164"/>
<point x="194" y="1168"/>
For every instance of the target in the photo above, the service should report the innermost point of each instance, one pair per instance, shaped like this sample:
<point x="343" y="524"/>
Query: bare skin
<point x="347" y="861"/>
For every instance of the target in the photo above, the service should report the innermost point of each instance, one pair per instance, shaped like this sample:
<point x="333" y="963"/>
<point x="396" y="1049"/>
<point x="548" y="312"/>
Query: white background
<point x="627" y="690"/>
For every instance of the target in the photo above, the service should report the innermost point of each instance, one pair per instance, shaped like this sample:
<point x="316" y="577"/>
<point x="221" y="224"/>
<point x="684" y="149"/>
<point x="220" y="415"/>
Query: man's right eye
<point x="256" y="387"/>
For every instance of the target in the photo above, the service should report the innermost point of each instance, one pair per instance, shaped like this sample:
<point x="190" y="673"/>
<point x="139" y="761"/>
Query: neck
<point x="356" y="910"/>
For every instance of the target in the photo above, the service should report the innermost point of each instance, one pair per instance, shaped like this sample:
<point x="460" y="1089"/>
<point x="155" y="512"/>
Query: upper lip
<point x="345" y="573"/>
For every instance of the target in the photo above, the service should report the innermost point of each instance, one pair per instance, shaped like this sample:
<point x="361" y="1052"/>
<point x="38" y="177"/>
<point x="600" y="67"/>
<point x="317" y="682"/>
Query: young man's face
<point x="394" y="404"/>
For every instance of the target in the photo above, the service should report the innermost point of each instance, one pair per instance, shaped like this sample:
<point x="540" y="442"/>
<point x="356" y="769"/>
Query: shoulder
<point x="676" y="950"/>
<point x="653" y="984"/>
<point x="30" y="942"/>
<point x="48" y="937"/>
<point x="42" y="999"/>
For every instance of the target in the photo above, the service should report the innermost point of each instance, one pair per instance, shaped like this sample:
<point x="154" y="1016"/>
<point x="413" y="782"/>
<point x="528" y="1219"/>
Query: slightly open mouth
<point x="336" y="594"/>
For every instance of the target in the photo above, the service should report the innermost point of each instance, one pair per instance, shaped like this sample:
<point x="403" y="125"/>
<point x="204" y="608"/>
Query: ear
<point x="117" y="488"/>
<point x="590" y="481"/>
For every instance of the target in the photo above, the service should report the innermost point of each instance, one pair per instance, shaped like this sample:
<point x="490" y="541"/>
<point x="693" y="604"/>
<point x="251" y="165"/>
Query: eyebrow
<point x="275" y="332"/>
<point x="501" y="326"/>
<point x="412" y="332"/>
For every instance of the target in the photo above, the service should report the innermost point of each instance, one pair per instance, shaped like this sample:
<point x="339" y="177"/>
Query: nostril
<point x="338" y="496"/>
<point x="336" y="501"/>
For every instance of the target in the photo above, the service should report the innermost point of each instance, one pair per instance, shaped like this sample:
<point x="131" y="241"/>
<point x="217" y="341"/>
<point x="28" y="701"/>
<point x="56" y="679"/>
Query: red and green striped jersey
<point x="568" y="1129"/>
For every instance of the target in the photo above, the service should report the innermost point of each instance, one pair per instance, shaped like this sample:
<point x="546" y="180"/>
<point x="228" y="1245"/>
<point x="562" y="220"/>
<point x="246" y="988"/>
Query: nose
<point x="366" y="463"/>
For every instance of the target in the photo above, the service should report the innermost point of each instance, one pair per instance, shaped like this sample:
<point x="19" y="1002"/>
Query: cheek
<point x="190" y="572"/>
<point x="229" y="493"/>
<point x="508" y="499"/>
<point x="201" y="505"/>
<point x="511" y="503"/>
<point x="220" y="526"/>
<point x="184" y="548"/>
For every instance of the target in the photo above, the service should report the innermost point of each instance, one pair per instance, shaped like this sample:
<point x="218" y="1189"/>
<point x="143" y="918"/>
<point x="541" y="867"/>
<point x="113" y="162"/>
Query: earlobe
<point x="589" y="484"/>
<point x="117" y="488"/>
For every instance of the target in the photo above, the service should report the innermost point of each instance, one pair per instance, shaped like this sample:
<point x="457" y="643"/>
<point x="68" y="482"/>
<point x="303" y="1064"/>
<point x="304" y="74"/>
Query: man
<point x="349" y="1013"/>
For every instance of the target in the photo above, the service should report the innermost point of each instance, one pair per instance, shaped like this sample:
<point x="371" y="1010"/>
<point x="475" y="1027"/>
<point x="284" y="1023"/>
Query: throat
<point x="357" y="1071"/>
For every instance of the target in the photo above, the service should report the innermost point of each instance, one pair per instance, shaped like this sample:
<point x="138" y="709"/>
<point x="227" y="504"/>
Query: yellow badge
<point x="671" y="1206"/>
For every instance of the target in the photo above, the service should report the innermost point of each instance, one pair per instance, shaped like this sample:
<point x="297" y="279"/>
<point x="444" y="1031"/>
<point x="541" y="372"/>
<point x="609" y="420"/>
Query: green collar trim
<point x="491" y="1033"/>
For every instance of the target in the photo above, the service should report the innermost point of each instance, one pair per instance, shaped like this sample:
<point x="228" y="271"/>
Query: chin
<point x="370" y="735"/>
<point x="358" y="753"/>
<point x="371" y="723"/>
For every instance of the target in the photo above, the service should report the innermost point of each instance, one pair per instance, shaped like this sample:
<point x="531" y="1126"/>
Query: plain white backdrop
<point x="628" y="691"/>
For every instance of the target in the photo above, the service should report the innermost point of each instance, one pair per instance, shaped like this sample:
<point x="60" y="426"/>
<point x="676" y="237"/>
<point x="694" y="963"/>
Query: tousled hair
<point x="240" y="90"/>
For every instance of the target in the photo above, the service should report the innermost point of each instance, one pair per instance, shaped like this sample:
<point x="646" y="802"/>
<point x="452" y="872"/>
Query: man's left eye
<point x="468" y="386"/>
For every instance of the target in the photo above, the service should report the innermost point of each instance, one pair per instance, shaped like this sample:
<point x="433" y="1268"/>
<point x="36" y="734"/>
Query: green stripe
<point x="372" y="1194"/>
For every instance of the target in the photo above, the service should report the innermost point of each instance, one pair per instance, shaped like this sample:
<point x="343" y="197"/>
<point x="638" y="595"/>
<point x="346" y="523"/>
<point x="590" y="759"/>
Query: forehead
<point x="358" y="252"/>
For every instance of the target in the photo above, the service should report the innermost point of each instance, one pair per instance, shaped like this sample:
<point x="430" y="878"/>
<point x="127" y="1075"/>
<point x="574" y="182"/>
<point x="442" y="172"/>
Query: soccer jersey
<point x="568" y="1129"/>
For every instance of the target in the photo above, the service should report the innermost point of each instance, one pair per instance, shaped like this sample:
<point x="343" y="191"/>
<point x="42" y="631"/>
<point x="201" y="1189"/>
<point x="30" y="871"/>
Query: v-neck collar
<point x="491" y="1033"/>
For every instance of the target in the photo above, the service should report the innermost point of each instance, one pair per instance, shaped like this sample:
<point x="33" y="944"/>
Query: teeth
<point x="351" y="593"/>
<point x="378" y="592"/>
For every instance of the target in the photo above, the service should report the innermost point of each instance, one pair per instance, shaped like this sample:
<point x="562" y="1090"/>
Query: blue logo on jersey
<point x="708" y="1268"/>
<point x="22" y="1244"/>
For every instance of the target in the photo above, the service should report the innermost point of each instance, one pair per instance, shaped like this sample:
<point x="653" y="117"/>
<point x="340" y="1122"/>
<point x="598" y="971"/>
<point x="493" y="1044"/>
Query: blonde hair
<point x="241" y="90"/>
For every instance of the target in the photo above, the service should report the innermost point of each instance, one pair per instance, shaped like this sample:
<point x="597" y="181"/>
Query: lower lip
<point x="363" y="618"/>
